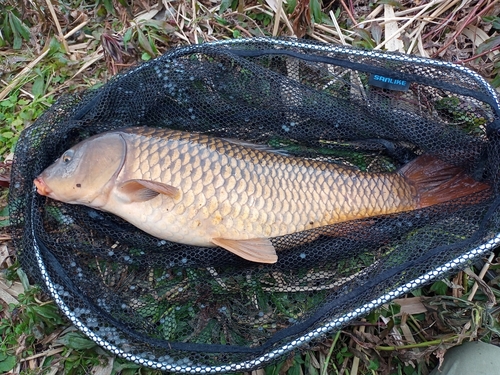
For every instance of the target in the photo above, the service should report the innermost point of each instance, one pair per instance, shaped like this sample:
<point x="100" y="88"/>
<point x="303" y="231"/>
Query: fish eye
<point x="67" y="156"/>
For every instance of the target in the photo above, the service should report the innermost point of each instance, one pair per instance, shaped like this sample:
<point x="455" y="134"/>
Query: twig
<point x="5" y="237"/>
<point x="418" y="31"/>
<point x="391" y="28"/>
<point x="323" y="38"/>
<point x="95" y="56"/>
<point x="279" y="6"/>
<point x="193" y="18"/>
<point x="420" y="45"/>
<point x="285" y="19"/>
<point x="355" y="361"/>
<point x="332" y="31"/>
<point x="249" y="20"/>
<point x="386" y="20"/>
<point x="27" y="93"/>
<point x="337" y="27"/>
<point x="244" y="31"/>
<point x="180" y="25"/>
<point x="478" y="55"/>
<point x="46" y="353"/>
<point x="23" y="72"/>
<point x="373" y="14"/>
<point x="417" y="345"/>
<point x="349" y="13"/>
<point x="480" y="276"/>
<point x="467" y="21"/>
<point x="58" y="26"/>
<point x="330" y="352"/>
<point x="351" y="6"/>
<point x="417" y="8"/>
<point x="410" y="21"/>
<point x="440" y="10"/>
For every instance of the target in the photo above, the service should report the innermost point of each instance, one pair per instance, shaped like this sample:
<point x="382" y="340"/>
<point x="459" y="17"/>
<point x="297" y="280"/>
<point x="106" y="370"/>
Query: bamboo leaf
<point x="108" y="5"/>
<point x="38" y="86"/>
<point x="365" y="35"/>
<point x="496" y="81"/>
<point x="19" y="26"/>
<point x="17" y="37"/>
<point x="76" y="341"/>
<point x="47" y="311"/>
<point x="224" y="5"/>
<point x="376" y="32"/>
<point x="489" y="44"/>
<point x="24" y="279"/>
<point x="315" y="6"/>
<point x="144" y="42"/>
<point x="394" y="3"/>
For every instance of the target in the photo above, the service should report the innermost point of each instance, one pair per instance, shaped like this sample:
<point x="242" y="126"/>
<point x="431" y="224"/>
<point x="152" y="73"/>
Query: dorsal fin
<point x="255" y="146"/>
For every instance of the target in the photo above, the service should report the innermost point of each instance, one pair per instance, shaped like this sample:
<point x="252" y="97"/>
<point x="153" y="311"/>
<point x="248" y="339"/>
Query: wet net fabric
<point x="199" y="310"/>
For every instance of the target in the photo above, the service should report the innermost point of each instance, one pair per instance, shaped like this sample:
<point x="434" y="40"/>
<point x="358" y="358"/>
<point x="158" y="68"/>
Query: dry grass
<point x="90" y="43"/>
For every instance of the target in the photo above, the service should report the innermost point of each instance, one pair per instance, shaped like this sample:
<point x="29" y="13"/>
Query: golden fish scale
<point x="233" y="191"/>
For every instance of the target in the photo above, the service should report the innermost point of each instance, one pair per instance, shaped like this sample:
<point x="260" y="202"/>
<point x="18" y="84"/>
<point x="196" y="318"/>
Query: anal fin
<point x="259" y="250"/>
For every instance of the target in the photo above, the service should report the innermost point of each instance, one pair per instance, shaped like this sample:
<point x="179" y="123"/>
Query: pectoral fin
<point x="259" y="250"/>
<point x="143" y="190"/>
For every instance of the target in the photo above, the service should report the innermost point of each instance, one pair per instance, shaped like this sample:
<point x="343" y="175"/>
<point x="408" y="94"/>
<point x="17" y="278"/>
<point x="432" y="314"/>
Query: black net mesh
<point x="192" y="309"/>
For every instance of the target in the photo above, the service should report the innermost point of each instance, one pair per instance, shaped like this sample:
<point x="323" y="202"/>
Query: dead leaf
<point x="258" y="372"/>
<point x="21" y="344"/>
<point x="4" y="254"/>
<point x="148" y="15"/>
<point x="107" y="369"/>
<point x="392" y="31"/>
<point x="490" y="44"/>
<point x="5" y="168"/>
<point x="408" y="335"/>
<point x="7" y="298"/>
<point x="410" y="306"/>
<point x="439" y="353"/>
<point x="475" y="34"/>
<point x="13" y="289"/>
<point x="301" y="18"/>
<point x="376" y="32"/>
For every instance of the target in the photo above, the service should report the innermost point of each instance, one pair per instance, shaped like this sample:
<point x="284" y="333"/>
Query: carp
<point x="201" y="190"/>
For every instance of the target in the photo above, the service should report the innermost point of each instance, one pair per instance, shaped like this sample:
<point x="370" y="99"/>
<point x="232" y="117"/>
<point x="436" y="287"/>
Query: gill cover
<point x="85" y="173"/>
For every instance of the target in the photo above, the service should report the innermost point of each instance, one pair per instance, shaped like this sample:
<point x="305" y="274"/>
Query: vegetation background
<point x="52" y="47"/>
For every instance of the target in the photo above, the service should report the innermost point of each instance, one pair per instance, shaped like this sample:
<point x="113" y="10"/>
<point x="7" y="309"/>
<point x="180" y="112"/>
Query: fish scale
<point x="205" y="191"/>
<point x="296" y="191"/>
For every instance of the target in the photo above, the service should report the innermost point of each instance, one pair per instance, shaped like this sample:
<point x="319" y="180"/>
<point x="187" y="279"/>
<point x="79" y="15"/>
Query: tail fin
<point x="438" y="182"/>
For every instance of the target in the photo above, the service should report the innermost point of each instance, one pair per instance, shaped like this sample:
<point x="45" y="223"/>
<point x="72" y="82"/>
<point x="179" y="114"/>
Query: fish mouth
<point x="41" y="186"/>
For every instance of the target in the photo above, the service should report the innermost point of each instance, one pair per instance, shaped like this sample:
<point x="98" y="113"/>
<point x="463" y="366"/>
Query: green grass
<point x="17" y="114"/>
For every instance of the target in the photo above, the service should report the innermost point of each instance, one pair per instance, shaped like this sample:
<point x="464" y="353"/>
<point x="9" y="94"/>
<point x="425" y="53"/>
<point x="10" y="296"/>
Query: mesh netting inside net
<point x="193" y="309"/>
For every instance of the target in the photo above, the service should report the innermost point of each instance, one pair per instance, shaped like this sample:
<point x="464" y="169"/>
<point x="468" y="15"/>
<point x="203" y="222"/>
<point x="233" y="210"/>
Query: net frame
<point x="326" y="327"/>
